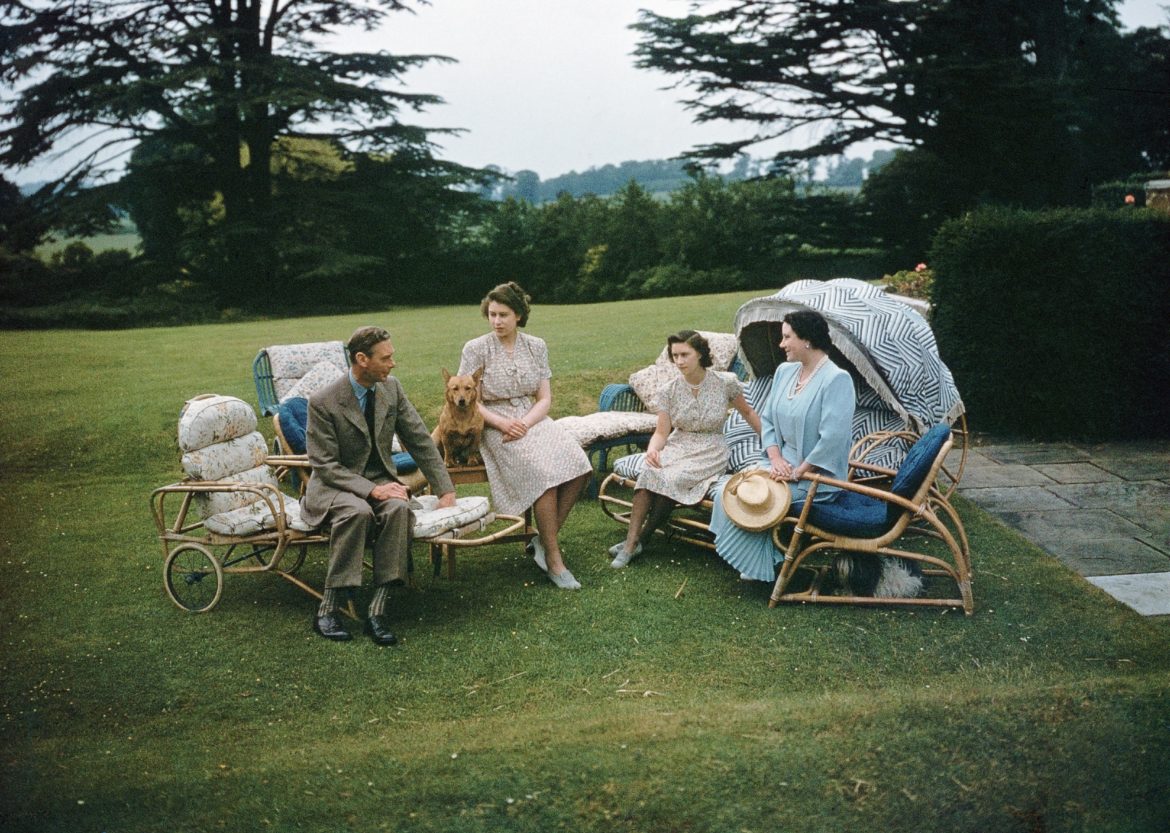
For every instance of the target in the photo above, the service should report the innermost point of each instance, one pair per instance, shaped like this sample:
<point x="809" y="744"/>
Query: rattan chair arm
<point x="861" y="489"/>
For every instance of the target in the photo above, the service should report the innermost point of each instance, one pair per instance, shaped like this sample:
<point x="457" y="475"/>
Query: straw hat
<point x="754" y="501"/>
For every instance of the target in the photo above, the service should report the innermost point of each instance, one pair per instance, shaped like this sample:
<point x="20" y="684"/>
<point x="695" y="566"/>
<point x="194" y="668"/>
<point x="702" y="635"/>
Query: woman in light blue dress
<point x="806" y="424"/>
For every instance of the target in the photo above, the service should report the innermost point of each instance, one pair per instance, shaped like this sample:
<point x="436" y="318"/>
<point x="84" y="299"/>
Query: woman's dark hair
<point x="694" y="340"/>
<point x="511" y="295"/>
<point x="811" y="326"/>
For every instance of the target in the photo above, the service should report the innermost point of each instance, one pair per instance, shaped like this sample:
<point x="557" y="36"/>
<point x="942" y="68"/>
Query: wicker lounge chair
<point x="230" y="515"/>
<point x="879" y="513"/>
<point x="283" y="371"/>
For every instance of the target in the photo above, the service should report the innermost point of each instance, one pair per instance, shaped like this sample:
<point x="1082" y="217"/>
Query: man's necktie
<point x="370" y="412"/>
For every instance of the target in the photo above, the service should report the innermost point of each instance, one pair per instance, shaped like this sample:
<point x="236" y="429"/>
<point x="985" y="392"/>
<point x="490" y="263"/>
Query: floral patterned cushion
<point x="226" y="459"/>
<point x="212" y="418"/>
<point x="213" y="503"/>
<point x="607" y="425"/>
<point x="649" y="380"/>
<point x="430" y="521"/>
<point x="289" y="362"/>
<point x="321" y="374"/>
<point x="255" y="517"/>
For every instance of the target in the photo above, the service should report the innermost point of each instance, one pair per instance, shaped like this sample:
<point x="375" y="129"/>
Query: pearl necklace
<point x="695" y="388"/>
<point x="798" y="385"/>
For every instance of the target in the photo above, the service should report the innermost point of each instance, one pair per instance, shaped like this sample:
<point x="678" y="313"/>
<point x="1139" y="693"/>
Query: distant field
<point x="125" y="237"/>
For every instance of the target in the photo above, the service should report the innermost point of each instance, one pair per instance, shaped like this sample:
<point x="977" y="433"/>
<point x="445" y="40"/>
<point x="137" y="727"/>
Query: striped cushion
<point x="630" y="466"/>
<point x="743" y="444"/>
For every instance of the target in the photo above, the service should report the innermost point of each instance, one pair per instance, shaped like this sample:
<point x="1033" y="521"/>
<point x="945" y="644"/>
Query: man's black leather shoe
<point x="381" y="634"/>
<point x="330" y="627"/>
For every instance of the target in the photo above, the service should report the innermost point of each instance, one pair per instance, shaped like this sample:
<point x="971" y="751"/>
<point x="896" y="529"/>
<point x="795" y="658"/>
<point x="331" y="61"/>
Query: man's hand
<point x="447" y="501"/>
<point x="388" y="491"/>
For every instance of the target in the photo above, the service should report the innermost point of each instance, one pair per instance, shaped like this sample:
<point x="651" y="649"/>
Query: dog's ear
<point x="446" y="375"/>
<point x="477" y="375"/>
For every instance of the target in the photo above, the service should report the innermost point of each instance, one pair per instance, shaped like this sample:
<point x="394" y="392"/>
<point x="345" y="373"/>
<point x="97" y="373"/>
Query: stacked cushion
<point x="220" y="443"/>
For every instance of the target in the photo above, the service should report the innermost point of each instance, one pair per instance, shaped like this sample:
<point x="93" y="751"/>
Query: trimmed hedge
<point x="1056" y="324"/>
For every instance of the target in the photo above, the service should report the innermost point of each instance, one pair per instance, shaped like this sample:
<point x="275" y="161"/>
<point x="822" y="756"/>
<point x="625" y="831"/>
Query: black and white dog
<point x="884" y="577"/>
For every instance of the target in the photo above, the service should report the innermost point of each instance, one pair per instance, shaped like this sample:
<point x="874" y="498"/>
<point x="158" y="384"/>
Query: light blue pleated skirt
<point x="752" y="553"/>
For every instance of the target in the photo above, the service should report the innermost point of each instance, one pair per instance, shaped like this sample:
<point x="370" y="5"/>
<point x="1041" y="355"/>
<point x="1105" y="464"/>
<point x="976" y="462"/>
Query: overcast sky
<point x="549" y="85"/>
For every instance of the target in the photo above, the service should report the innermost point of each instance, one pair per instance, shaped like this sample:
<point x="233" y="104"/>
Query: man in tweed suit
<point x="355" y="488"/>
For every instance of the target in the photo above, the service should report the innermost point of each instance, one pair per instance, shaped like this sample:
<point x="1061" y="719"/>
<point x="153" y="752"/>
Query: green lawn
<point x="511" y="705"/>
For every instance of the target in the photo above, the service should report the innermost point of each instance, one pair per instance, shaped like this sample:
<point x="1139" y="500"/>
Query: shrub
<point x="1113" y="194"/>
<point x="913" y="283"/>
<point x="1054" y="323"/>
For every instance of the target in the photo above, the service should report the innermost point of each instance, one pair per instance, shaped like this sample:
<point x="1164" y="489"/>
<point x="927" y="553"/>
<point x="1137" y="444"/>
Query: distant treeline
<point x="661" y="176"/>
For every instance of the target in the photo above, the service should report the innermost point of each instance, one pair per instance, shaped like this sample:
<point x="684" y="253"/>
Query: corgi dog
<point x="460" y="422"/>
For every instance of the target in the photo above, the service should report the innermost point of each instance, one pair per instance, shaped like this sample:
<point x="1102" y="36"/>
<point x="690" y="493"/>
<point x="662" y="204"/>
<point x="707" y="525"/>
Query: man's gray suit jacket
<point x="338" y="442"/>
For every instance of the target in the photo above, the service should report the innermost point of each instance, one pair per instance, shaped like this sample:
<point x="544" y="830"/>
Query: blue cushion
<point x="916" y="466"/>
<point x="294" y="418"/>
<point x="849" y="514"/>
<point x="862" y="516"/>
<point x="743" y="444"/>
<point x="404" y="463"/>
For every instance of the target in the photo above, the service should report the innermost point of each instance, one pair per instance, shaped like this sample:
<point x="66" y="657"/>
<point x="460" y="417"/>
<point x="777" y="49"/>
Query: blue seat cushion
<point x="294" y="418"/>
<point x="404" y="463"/>
<point x="848" y="514"/>
<point x="294" y="421"/>
<point x="916" y="466"/>
<point x="861" y="516"/>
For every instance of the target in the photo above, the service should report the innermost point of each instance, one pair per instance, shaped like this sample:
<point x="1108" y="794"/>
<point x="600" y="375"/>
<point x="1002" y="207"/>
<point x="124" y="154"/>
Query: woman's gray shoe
<point x="621" y="556"/>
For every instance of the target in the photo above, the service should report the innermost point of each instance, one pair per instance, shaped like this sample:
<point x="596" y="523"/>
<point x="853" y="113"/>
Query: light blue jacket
<point x="816" y="425"/>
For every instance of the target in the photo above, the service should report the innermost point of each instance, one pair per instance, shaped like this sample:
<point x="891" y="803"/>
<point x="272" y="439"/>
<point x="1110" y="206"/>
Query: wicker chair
<point x="230" y="514"/>
<point x="880" y="513"/>
<point x="282" y="371"/>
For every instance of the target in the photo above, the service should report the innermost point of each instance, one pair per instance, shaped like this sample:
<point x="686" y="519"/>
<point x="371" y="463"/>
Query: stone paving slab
<point x="1103" y="510"/>
<point x="1147" y="593"/>
<point x="1003" y="475"/>
<point x="1057" y="529"/>
<point x="1145" y="504"/>
<point x="1112" y="557"/>
<point x="1116" y="494"/>
<point x="1158" y="542"/>
<point x="1030" y="454"/>
<point x="1016" y="498"/>
<point x="1077" y="473"/>
<point x="975" y="459"/>
<point x="1135" y="463"/>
